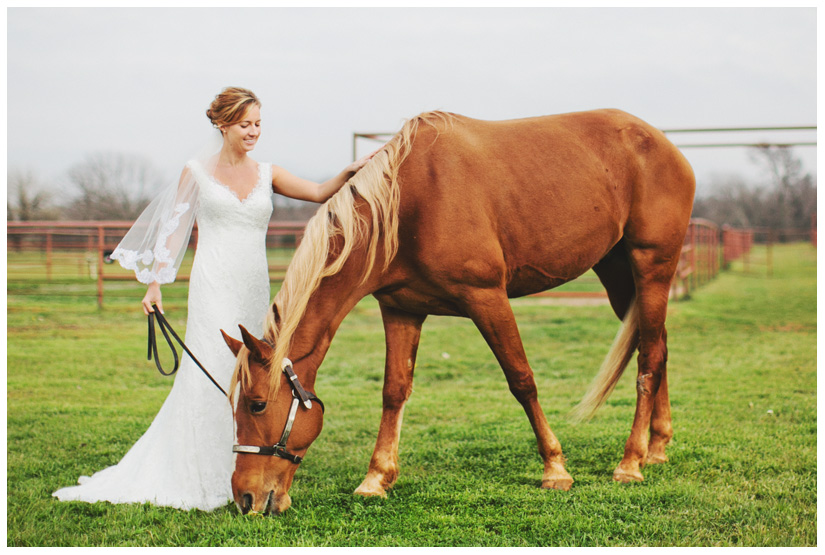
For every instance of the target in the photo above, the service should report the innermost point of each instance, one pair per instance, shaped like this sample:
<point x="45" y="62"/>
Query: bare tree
<point x="791" y="201"/>
<point x="26" y="199"/>
<point x="787" y="200"/>
<point x="112" y="186"/>
<point x="732" y="203"/>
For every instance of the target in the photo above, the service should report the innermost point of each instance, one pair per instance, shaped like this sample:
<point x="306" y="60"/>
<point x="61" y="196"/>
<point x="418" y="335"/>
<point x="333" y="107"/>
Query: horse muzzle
<point x="268" y="504"/>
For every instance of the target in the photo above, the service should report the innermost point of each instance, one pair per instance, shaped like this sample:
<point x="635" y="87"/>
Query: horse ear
<point x="258" y="348"/>
<point x="234" y="344"/>
<point x="276" y="316"/>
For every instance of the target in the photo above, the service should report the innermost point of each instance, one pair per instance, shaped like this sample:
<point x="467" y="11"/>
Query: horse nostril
<point x="246" y="503"/>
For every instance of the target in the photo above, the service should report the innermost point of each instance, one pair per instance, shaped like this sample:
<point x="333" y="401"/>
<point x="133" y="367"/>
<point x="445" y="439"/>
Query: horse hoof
<point x="369" y="488"/>
<point x="364" y="492"/>
<point x="562" y="484"/>
<point x="656" y="458"/>
<point x="627" y="476"/>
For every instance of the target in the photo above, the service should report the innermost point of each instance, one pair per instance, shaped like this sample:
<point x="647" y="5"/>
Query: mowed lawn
<point x="742" y="468"/>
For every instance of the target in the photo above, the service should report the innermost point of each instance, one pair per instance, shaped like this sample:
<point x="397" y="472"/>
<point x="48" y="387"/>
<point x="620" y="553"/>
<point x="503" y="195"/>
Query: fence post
<point x="48" y="255"/>
<point x="704" y="240"/>
<point x="354" y="147"/>
<point x="100" y="247"/>
<point x="694" y="278"/>
<point x="712" y="254"/>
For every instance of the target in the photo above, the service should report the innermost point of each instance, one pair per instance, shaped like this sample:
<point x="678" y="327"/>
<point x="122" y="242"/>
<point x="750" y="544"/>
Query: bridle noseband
<point x="299" y="395"/>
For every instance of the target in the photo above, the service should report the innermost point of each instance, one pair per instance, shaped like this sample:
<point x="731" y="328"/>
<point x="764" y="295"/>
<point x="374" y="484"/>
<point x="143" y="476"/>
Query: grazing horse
<point x="454" y="216"/>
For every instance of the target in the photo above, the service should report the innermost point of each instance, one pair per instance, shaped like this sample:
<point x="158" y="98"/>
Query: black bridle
<point x="299" y="395"/>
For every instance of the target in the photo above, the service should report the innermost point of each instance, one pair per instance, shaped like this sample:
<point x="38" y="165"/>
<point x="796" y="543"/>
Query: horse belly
<point x="565" y="230"/>
<point x="553" y="257"/>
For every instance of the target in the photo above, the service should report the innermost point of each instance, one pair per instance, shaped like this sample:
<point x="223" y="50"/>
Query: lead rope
<point x="163" y="324"/>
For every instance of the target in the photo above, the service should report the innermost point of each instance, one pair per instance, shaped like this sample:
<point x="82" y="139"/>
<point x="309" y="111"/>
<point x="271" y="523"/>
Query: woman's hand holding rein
<point x="152" y="296"/>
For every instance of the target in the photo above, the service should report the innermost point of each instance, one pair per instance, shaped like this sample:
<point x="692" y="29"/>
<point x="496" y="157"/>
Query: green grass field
<point x="742" y="468"/>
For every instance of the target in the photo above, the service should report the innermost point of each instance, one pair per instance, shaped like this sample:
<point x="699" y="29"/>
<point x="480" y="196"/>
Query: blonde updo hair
<point x="230" y="105"/>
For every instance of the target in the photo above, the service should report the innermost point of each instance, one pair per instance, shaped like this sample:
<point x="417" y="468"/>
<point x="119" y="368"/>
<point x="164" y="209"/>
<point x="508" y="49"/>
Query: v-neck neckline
<point x="234" y="192"/>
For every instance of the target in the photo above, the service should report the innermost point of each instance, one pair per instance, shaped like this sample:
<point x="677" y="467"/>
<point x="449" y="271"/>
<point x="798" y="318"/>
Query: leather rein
<point x="163" y="324"/>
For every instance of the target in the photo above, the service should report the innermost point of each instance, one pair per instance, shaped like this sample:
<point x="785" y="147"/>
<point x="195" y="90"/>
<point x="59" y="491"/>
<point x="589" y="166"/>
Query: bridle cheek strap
<point x="299" y="395"/>
<point x="297" y="388"/>
<point x="279" y="449"/>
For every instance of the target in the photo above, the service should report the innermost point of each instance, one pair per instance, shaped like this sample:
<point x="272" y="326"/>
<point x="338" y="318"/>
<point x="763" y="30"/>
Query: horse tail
<point x="624" y="345"/>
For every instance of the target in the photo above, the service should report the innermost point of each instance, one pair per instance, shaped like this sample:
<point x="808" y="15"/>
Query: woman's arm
<point x="295" y="187"/>
<point x="174" y="243"/>
<point x="152" y="296"/>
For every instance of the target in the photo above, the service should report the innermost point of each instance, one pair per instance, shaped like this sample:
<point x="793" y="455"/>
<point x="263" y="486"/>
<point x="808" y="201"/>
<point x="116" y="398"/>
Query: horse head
<point x="274" y="427"/>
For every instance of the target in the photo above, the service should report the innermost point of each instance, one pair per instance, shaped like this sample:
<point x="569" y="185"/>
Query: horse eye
<point x="257" y="406"/>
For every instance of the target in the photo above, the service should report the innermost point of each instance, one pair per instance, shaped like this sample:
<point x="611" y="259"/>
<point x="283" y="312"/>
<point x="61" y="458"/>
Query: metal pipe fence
<point x="699" y="261"/>
<point x="70" y="259"/>
<point x="65" y="258"/>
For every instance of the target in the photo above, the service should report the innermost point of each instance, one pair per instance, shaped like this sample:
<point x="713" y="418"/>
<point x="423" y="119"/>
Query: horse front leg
<point x="491" y="312"/>
<point x="403" y="332"/>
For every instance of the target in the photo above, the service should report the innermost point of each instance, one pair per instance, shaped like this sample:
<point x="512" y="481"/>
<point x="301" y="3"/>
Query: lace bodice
<point x="220" y="208"/>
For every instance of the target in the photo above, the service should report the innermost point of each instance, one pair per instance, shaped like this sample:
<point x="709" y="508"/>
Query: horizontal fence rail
<point x="383" y="137"/>
<point x="70" y="254"/>
<point x="66" y="258"/>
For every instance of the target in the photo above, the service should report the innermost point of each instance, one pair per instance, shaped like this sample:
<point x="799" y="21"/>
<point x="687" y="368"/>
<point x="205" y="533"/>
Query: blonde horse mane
<point x="376" y="184"/>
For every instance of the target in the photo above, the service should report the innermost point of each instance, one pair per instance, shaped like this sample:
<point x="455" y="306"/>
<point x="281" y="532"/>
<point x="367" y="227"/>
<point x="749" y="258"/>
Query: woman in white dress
<point x="184" y="459"/>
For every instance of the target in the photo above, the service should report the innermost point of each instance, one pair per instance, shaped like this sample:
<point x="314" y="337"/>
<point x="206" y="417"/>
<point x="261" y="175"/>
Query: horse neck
<point x="336" y="294"/>
<point x="335" y="297"/>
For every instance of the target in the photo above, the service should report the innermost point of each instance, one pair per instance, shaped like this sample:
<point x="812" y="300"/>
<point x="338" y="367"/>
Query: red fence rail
<point x="699" y="261"/>
<point x="49" y="252"/>
<point x="737" y="244"/>
<point x="97" y="239"/>
<point x="43" y="252"/>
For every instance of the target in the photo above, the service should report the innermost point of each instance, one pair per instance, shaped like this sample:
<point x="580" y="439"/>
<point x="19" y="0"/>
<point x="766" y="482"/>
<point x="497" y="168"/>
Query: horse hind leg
<point x="616" y="274"/>
<point x="491" y="313"/>
<point x="661" y="427"/>
<point x="403" y="332"/>
<point x="652" y="273"/>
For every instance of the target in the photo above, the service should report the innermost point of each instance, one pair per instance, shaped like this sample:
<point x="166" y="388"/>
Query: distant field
<point x="743" y="461"/>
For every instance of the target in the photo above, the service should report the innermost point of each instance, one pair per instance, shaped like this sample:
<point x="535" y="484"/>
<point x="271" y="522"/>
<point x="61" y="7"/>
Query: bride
<point x="185" y="459"/>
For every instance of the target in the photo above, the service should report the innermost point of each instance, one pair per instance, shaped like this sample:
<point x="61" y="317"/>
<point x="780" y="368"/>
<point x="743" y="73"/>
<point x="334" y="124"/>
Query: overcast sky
<point x="138" y="80"/>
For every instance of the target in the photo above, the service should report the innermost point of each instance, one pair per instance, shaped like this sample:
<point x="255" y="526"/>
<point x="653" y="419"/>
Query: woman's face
<point x="244" y="135"/>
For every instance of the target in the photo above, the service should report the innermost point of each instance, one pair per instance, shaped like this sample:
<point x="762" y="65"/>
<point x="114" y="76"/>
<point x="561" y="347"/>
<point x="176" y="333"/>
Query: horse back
<point x="534" y="203"/>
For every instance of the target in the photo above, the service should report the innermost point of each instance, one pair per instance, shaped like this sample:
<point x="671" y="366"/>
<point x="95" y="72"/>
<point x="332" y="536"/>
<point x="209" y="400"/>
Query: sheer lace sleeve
<point x="155" y="245"/>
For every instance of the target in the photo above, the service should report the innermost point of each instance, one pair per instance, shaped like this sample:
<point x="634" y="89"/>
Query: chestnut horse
<point x="454" y="216"/>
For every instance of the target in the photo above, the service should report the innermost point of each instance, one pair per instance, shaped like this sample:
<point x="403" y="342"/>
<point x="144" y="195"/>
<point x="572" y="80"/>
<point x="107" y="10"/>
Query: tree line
<point x="785" y="201"/>
<point x="111" y="186"/>
<point x="104" y="186"/>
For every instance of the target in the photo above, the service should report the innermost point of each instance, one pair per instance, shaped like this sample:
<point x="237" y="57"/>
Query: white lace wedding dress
<point x="185" y="458"/>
